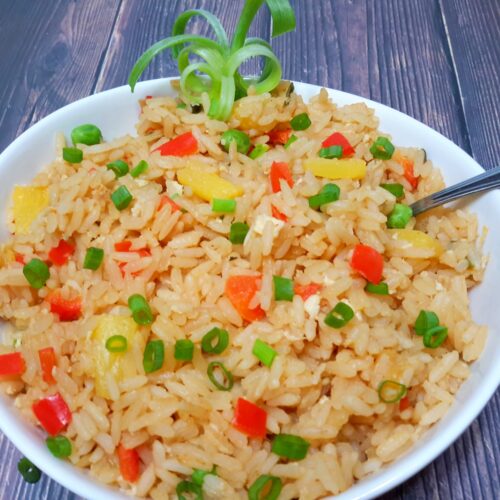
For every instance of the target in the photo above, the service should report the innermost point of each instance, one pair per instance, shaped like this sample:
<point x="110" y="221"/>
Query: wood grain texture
<point x="436" y="60"/>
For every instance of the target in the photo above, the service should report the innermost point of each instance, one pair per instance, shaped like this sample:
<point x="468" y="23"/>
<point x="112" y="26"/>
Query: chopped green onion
<point x="400" y="216"/>
<point x="271" y="484"/>
<point x="242" y="140"/>
<point x="425" y="321"/>
<point x="117" y="343"/>
<point x="141" y="311"/>
<point x="258" y="151"/>
<point x="395" y="189"/>
<point x="119" y="167"/>
<point x="300" y="122"/>
<point x="434" y="337"/>
<point x="223" y="206"/>
<point x="72" y="155"/>
<point x="331" y="152"/>
<point x="290" y="446"/>
<point x="30" y="472"/>
<point x="290" y="141"/>
<point x="182" y="105"/>
<point x="154" y="354"/>
<point x="222" y="341"/>
<point x="86" y="134"/>
<point x="36" y="273"/>
<point x="121" y="198"/>
<point x="264" y="352"/>
<point x="198" y="476"/>
<point x="382" y="149"/>
<point x="328" y="194"/>
<point x="380" y="289"/>
<point x="139" y="169"/>
<point x="283" y="288"/>
<point x="93" y="258"/>
<point x="184" y="350"/>
<point x="228" y="380"/>
<point x="339" y="316"/>
<point x="238" y="232"/>
<point x="59" y="446"/>
<point x="189" y="487"/>
<point x="390" y="391"/>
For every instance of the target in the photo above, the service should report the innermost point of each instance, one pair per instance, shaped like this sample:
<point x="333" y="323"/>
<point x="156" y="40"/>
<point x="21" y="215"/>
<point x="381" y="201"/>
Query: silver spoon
<point x="482" y="182"/>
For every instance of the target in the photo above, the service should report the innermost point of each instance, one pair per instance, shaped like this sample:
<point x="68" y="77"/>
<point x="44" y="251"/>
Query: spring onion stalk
<point x="390" y="391"/>
<point x="264" y="352"/>
<point x="36" y="273"/>
<point x="290" y="446"/>
<point x="184" y="350"/>
<point x="271" y="484"/>
<point x="117" y="343"/>
<point x="339" y="316"/>
<point x="221" y="338"/>
<point x="141" y="311"/>
<point x="93" y="258"/>
<point x="217" y="62"/>
<point x="59" y="446"/>
<point x="258" y="151"/>
<point x="30" y="472"/>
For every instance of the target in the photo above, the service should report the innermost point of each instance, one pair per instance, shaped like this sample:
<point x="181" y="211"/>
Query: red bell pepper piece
<point x="368" y="262"/>
<point x="19" y="258"/>
<point x="12" y="364"/>
<point x="250" y="419"/>
<point x="280" y="170"/>
<point x="66" y="309"/>
<point x="404" y="403"/>
<point x="305" y="291"/>
<point x="182" y="145"/>
<point x="53" y="413"/>
<point x="47" y="363"/>
<point x="409" y="174"/>
<point x="277" y="214"/>
<point x="123" y="246"/>
<point x="338" y="139"/>
<point x="166" y="199"/>
<point x="129" y="463"/>
<point x="240" y="290"/>
<point x="60" y="254"/>
<point x="277" y="136"/>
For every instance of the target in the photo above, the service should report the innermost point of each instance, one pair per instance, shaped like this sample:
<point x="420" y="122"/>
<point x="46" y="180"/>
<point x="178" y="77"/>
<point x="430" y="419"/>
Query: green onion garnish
<point x="223" y="206"/>
<point x="258" y="151"/>
<point x="290" y="446"/>
<point x="425" y="321"/>
<point x="290" y="141"/>
<point x="184" y="350"/>
<point x="396" y="189"/>
<point x="86" y="134"/>
<point x="379" y="289"/>
<point x="117" y="343"/>
<point x="182" y="105"/>
<point x="382" y="149"/>
<point x="119" y="167"/>
<point x="328" y="194"/>
<point x="300" y="122"/>
<point x="400" y="216"/>
<point x="59" y="446"/>
<point x="283" y="288"/>
<point x="271" y="484"/>
<point x="339" y="316"/>
<point x="220" y="336"/>
<point x="331" y="152"/>
<point x="189" y="487"/>
<point x="264" y="352"/>
<point x="390" y="391"/>
<point x="242" y="140"/>
<point x="93" y="258"/>
<point x="198" y="475"/>
<point x="154" y="354"/>
<point x="141" y="312"/>
<point x="238" y="232"/>
<point x="434" y="337"/>
<point x="36" y="273"/>
<point x="139" y="169"/>
<point x="30" y="472"/>
<point x="72" y="155"/>
<point x="121" y="198"/>
<point x="228" y="380"/>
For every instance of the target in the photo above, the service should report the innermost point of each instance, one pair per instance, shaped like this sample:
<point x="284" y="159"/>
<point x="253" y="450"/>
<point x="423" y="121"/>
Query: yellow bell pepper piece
<point x="207" y="185"/>
<point x="418" y="239"/>
<point x="347" y="168"/>
<point x="7" y="256"/>
<point x="28" y="202"/>
<point x="119" y="365"/>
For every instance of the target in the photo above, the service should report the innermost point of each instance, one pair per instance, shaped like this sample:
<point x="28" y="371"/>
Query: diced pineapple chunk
<point x="7" y="255"/>
<point x="28" y="202"/>
<point x="207" y="185"/>
<point x="348" y="168"/>
<point x="418" y="240"/>
<point x="119" y="366"/>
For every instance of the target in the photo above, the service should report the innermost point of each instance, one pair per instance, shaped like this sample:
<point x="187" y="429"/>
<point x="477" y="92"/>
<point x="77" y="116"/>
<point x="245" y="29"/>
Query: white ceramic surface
<point x="115" y="112"/>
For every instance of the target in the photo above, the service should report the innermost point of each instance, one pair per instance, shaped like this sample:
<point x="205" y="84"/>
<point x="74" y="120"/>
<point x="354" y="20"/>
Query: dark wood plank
<point x="473" y="29"/>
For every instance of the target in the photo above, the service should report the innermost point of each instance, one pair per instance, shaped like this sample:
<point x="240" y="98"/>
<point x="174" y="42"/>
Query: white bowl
<point x="115" y="112"/>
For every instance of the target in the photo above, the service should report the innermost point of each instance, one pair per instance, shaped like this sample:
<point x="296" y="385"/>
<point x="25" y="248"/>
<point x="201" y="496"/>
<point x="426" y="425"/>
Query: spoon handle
<point x="482" y="182"/>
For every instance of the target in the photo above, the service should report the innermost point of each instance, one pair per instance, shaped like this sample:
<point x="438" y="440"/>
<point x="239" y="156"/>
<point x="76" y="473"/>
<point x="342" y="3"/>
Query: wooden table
<point x="436" y="60"/>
